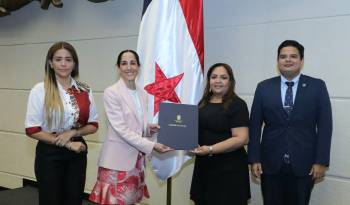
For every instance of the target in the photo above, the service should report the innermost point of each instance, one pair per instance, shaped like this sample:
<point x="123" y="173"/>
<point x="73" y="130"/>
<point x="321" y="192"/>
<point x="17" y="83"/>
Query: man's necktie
<point x="288" y="101"/>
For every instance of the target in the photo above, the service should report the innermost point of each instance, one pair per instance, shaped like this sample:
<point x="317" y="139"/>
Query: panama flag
<point x="171" y="50"/>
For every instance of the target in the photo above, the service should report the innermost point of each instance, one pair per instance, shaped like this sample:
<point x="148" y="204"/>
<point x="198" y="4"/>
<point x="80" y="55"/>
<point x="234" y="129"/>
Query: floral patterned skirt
<point x="120" y="187"/>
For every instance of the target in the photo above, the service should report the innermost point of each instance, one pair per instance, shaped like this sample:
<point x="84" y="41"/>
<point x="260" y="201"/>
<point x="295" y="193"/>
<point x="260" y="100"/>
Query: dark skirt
<point x="222" y="184"/>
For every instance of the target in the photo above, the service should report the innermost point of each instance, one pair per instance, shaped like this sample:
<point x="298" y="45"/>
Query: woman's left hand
<point x="162" y="148"/>
<point x="153" y="128"/>
<point x="77" y="147"/>
<point x="62" y="139"/>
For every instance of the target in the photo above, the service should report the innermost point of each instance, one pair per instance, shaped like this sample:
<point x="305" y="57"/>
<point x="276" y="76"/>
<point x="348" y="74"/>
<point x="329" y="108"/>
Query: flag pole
<point x="168" y="191"/>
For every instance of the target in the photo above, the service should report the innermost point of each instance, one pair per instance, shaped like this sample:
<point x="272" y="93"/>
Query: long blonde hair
<point x="54" y="110"/>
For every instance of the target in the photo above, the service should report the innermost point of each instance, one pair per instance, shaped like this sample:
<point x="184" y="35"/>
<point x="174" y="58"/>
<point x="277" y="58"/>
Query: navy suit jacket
<point x="305" y="134"/>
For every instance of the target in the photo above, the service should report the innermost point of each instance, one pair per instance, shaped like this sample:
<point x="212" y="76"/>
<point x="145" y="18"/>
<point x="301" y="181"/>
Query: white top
<point x="35" y="116"/>
<point x="136" y="99"/>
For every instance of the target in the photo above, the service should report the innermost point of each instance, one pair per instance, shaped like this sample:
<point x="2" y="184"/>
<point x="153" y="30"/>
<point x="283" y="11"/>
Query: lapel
<point x="277" y="89"/>
<point x="128" y="99"/>
<point x="301" y="90"/>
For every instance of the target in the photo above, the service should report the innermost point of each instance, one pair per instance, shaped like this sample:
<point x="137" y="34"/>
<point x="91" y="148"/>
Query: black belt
<point x="77" y="139"/>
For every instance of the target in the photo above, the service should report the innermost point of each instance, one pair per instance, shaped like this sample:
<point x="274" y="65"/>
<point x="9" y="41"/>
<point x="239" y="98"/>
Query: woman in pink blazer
<point x="122" y="161"/>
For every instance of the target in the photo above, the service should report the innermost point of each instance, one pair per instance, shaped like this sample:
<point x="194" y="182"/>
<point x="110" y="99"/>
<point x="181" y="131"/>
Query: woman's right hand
<point x="201" y="150"/>
<point x="63" y="138"/>
<point x="76" y="147"/>
<point x="162" y="148"/>
<point x="153" y="128"/>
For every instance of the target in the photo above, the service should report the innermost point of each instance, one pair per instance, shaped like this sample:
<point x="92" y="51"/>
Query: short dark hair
<point x="119" y="59"/>
<point x="291" y="43"/>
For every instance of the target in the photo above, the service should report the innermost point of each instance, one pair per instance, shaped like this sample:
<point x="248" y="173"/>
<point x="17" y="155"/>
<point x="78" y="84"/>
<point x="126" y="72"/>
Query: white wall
<point x="245" y="34"/>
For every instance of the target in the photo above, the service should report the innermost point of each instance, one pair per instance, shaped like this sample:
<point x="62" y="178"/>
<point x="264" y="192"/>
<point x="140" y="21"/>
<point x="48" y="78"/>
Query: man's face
<point x="289" y="62"/>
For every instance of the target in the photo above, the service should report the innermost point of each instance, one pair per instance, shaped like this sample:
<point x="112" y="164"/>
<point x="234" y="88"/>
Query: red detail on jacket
<point x="32" y="130"/>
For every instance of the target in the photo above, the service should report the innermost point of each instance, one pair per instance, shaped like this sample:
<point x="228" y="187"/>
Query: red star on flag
<point x="163" y="89"/>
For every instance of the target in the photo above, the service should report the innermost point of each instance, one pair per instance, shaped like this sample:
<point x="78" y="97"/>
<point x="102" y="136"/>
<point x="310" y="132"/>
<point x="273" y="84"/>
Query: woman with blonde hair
<point x="60" y="111"/>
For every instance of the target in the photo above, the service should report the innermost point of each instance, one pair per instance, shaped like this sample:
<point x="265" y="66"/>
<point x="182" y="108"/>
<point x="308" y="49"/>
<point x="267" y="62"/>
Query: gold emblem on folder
<point x="178" y="119"/>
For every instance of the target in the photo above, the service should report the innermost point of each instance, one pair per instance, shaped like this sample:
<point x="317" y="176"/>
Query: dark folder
<point x="178" y="126"/>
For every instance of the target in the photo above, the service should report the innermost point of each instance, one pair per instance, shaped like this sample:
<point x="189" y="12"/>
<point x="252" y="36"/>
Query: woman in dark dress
<point x="221" y="175"/>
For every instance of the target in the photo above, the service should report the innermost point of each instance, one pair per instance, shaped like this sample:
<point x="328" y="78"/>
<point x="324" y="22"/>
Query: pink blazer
<point x="126" y="135"/>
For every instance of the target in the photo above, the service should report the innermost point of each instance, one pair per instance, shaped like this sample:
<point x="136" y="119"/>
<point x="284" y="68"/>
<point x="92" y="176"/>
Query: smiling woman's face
<point x="128" y="68"/>
<point x="219" y="81"/>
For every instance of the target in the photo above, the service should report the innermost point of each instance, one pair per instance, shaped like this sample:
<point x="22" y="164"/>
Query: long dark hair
<point x="230" y="94"/>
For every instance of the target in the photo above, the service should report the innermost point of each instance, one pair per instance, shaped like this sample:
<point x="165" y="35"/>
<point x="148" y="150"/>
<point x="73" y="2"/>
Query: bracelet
<point x="210" y="151"/>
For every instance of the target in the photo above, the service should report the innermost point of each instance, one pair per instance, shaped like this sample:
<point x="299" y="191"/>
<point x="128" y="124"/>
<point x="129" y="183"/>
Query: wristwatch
<point x="210" y="151"/>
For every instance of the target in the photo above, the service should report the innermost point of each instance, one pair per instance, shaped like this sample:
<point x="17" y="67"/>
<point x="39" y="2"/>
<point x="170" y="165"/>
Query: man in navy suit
<point x="294" y="110"/>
